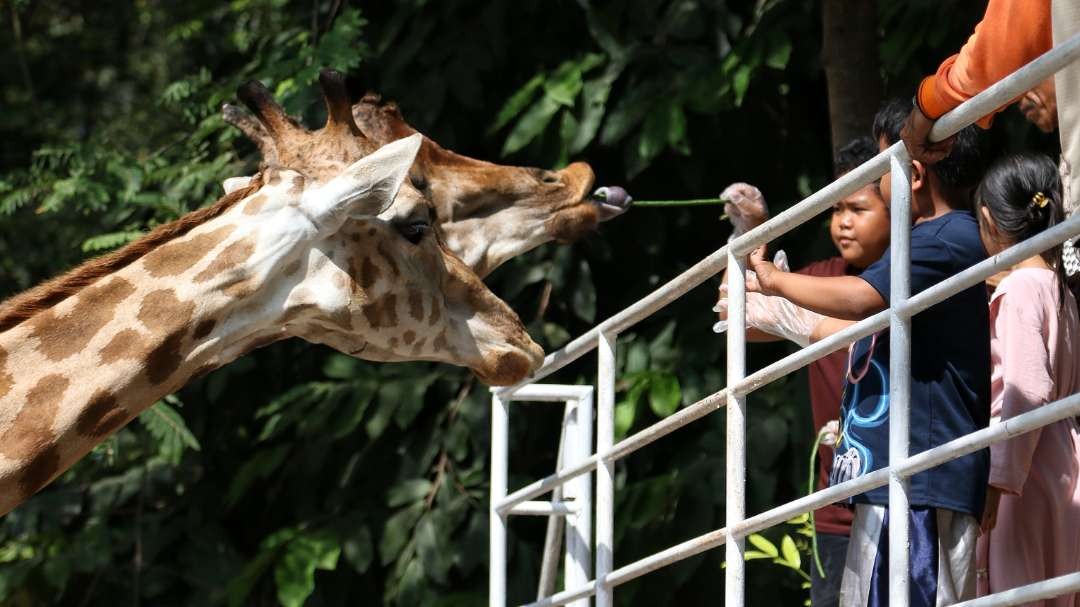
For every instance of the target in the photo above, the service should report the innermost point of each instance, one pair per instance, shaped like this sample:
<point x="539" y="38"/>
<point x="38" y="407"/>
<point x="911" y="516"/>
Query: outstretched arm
<point x="841" y="297"/>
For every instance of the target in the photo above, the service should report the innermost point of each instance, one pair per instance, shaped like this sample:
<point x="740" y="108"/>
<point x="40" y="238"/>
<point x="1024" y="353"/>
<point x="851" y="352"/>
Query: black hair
<point x="1022" y="192"/>
<point x="961" y="169"/>
<point x="853" y="154"/>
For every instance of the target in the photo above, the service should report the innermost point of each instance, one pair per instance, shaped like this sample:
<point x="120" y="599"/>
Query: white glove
<point x="773" y="315"/>
<point x="745" y="207"/>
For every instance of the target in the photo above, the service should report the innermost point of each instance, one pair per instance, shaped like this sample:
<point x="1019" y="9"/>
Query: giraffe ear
<point x="368" y="186"/>
<point x="232" y="184"/>
<point x="374" y="180"/>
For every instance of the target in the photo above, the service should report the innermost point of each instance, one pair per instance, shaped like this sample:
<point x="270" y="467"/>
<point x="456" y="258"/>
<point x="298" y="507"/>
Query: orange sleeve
<point x="1011" y="34"/>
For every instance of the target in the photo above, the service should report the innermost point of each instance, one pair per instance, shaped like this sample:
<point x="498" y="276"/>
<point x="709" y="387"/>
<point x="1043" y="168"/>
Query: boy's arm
<point x="841" y="297"/>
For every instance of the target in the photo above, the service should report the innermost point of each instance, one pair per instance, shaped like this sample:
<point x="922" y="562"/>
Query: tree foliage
<point x="298" y="476"/>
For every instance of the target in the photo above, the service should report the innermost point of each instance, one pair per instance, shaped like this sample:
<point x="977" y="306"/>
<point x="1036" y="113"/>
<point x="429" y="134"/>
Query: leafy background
<point x="296" y="476"/>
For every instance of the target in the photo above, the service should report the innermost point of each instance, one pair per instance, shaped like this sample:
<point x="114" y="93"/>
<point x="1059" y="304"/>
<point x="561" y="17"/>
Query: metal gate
<point x="572" y="487"/>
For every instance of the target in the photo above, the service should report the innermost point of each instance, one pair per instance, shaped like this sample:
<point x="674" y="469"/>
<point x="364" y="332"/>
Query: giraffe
<point x="339" y="253"/>
<point x="488" y="213"/>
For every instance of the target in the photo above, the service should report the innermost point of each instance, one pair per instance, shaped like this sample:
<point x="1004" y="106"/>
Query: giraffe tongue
<point x="611" y="201"/>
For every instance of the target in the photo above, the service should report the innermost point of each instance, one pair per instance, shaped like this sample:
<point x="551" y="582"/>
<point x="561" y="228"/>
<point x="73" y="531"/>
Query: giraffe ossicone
<point x="340" y="253"/>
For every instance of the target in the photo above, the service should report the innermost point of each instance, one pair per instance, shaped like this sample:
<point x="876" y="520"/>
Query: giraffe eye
<point x="414" y="231"/>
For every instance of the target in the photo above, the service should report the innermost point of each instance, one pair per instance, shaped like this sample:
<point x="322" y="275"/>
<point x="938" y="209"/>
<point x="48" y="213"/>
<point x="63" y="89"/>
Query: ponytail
<point x="1022" y="192"/>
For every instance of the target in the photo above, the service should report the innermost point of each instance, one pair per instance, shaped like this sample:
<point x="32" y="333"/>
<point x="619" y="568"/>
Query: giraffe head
<point x="382" y="285"/>
<point x="487" y="213"/>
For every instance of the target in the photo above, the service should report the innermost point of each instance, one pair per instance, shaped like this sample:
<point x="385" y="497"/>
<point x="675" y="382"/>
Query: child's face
<point x="860" y="227"/>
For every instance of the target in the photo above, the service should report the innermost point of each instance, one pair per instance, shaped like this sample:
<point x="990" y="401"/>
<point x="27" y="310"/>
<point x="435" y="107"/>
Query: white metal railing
<point x="575" y="465"/>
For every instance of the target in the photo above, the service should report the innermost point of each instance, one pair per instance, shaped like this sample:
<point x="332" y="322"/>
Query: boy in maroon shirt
<point x="860" y="231"/>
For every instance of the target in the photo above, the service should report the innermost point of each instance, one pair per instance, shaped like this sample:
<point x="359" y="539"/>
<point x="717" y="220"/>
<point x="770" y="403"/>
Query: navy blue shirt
<point x="950" y="375"/>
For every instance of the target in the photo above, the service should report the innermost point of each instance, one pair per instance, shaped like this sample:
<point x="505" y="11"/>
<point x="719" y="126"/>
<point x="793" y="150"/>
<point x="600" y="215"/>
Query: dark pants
<point x="825" y="591"/>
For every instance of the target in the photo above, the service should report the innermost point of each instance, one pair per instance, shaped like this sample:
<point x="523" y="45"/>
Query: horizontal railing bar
<point x="1055" y="586"/>
<point x="939" y="292"/>
<point x="1043" y="416"/>
<point x="544" y="508"/>
<point x="547" y="393"/>
<point x="547" y="483"/>
<point x="566" y="596"/>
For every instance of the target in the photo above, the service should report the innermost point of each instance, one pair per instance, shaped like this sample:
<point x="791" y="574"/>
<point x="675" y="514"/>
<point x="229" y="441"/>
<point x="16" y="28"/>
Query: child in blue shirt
<point x="950" y="380"/>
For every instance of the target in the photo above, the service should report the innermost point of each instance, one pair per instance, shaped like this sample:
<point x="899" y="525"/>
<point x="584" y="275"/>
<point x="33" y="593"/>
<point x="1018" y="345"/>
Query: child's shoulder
<point x="1028" y="284"/>
<point x="956" y="232"/>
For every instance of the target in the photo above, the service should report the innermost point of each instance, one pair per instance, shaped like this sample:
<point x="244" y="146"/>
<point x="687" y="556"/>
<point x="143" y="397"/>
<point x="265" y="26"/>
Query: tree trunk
<point x="852" y="67"/>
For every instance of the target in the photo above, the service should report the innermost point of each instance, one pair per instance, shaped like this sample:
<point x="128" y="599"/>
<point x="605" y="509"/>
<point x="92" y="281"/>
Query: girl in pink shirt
<point x="1031" y="525"/>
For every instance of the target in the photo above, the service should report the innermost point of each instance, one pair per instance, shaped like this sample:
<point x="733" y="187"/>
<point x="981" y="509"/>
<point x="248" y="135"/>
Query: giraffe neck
<point x="74" y="373"/>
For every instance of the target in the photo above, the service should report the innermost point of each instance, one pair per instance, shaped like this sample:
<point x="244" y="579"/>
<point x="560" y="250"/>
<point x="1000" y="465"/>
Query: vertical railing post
<point x="605" y="469"/>
<point x="734" y="583"/>
<point x="899" y="376"/>
<point x="500" y="431"/>
<point x="578" y="563"/>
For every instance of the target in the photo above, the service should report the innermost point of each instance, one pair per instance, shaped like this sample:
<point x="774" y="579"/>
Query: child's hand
<point x="762" y="272"/>
<point x="989" y="518"/>
<point x="745" y="207"/>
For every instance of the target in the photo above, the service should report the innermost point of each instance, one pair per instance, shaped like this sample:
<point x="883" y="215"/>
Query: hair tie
<point x="1039" y="200"/>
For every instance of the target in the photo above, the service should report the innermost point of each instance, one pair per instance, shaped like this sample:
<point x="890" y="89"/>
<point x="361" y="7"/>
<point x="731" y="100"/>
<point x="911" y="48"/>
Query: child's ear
<point x="918" y="174"/>
<point x="988" y="222"/>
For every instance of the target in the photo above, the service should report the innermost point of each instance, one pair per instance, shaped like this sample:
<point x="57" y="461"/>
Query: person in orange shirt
<point x="1011" y="34"/>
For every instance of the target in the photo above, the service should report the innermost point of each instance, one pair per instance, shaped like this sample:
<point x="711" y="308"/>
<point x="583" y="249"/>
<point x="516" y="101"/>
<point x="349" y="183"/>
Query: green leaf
<point x="295" y="571"/>
<point x="261" y="465"/>
<point x="790" y="552"/>
<point x="168" y="427"/>
<point x="110" y="240"/>
<point x="740" y="82"/>
<point x="359" y="549"/>
<point x="517" y="103"/>
<point x="407" y="492"/>
<point x="763" y="544"/>
<point x="594" y="99"/>
<point x="664" y="394"/>
<point x="625" y="412"/>
<point x="779" y="52"/>
<point x="397" y="531"/>
<point x="531" y="124"/>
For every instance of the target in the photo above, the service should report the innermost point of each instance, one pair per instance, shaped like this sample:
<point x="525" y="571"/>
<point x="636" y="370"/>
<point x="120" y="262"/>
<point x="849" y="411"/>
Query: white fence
<point x="572" y="487"/>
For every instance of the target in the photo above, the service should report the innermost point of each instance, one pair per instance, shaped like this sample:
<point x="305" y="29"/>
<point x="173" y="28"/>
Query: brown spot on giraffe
<point x="382" y="312"/>
<point x="94" y="308"/>
<point x="393" y="343"/>
<point x="102" y="416"/>
<point x="231" y="257"/>
<point x="436" y="312"/>
<point x="161" y="311"/>
<point x="418" y="346"/>
<point x="242" y="289"/>
<point x="179" y="256"/>
<point x="371" y="232"/>
<point x="204" y="328"/>
<point x="125" y="345"/>
<point x="416" y="304"/>
<point x="256" y="204"/>
<point x="369" y="274"/>
<point x="440" y="344"/>
<point x="165" y="359"/>
<point x="30" y="433"/>
<point x="39" y="471"/>
<point x="409" y="337"/>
